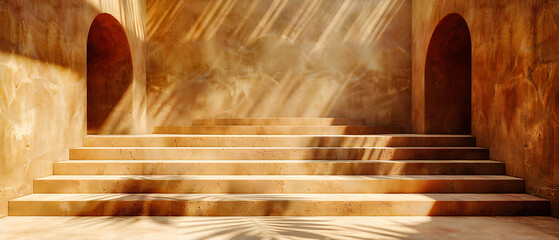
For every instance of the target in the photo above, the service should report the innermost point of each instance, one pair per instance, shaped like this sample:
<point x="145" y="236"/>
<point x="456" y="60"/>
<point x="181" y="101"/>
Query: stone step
<point x="279" y="205"/>
<point x="279" y="167"/>
<point x="399" y="140"/>
<point x="279" y="121"/>
<point x="278" y="130"/>
<point x="278" y="184"/>
<point x="278" y="153"/>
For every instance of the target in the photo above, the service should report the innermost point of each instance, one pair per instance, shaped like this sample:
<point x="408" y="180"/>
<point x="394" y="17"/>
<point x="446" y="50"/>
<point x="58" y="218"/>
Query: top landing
<point x="279" y="121"/>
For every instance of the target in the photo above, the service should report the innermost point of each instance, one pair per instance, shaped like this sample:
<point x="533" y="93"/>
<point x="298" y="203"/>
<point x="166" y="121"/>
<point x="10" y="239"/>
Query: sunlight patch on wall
<point x="280" y="58"/>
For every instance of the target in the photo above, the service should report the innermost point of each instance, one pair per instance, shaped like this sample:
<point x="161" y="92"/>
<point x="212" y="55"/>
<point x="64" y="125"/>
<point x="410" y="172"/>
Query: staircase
<point x="286" y="166"/>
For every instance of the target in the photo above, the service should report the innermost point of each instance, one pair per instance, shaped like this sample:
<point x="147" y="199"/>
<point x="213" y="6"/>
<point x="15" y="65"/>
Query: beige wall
<point x="43" y="83"/>
<point x="297" y="58"/>
<point x="515" y="86"/>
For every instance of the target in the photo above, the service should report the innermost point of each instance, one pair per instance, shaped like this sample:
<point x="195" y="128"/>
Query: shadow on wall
<point x="303" y="58"/>
<point x="109" y="76"/>
<point x="448" y="72"/>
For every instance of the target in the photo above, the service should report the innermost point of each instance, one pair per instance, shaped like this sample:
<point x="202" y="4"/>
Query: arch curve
<point x="448" y="71"/>
<point x="109" y="75"/>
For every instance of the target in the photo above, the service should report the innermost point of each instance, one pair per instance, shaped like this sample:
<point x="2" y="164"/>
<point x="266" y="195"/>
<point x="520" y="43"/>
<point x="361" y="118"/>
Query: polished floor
<point x="161" y="228"/>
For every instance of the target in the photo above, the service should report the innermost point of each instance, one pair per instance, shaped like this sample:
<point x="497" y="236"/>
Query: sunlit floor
<point x="279" y="228"/>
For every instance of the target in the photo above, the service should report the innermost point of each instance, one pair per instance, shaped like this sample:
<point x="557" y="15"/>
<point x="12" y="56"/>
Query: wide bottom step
<point x="280" y="227"/>
<point x="279" y="205"/>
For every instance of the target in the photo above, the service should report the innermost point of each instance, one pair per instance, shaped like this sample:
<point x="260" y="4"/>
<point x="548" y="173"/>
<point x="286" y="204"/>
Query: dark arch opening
<point x="448" y="73"/>
<point x="109" y="73"/>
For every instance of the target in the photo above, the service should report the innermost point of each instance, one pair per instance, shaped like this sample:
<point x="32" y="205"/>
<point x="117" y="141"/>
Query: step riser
<point x="280" y="121"/>
<point x="278" y="186"/>
<point x="316" y="168"/>
<point x="278" y="130"/>
<point x="277" y="141"/>
<point x="277" y="208"/>
<point x="275" y="154"/>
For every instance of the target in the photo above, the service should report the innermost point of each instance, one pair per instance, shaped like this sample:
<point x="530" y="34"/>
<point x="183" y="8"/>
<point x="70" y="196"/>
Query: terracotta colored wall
<point x="515" y="82"/>
<point x="43" y="66"/>
<point x="284" y="58"/>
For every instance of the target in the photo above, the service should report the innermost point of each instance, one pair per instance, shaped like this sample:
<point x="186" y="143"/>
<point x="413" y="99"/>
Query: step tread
<point x="278" y="118"/>
<point x="281" y="136"/>
<point x="280" y="126"/>
<point x="272" y="160"/>
<point x="279" y="129"/>
<point x="277" y="140"/>
<point x="279" y="204"/>
<point x="290" y="148"/>
<point x="278" y="167"/>
<point x="278" y="161"/>
<point x="261" y="153"/>
<point x="430" y="197"/>
<point x="280" y="177"/>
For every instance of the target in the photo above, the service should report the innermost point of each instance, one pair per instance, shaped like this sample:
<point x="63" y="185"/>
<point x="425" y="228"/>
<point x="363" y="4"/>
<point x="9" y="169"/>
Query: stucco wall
<point x="297" y="58"/>
<point x="515" y="82"/>
<point x="43" y="66"/>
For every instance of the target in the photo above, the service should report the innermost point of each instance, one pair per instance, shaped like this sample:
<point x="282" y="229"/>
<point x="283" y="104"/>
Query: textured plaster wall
<point x="288" y="58"/>
<point x="43" y="66"/>
<point x="515" y="82"/>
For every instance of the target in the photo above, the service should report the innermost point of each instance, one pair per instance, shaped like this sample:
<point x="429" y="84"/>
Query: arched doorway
<point x="109" y="74"/>
<point x="448" y="71"/>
